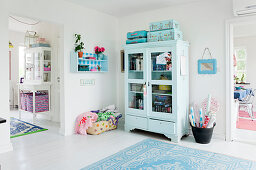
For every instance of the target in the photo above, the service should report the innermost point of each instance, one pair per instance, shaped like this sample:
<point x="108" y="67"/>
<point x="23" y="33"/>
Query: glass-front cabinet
<point x="156" y="88"/>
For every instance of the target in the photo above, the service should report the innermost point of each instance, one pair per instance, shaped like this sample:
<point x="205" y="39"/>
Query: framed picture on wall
<point x="207" y="66"/>
<point x="122" y="61"/>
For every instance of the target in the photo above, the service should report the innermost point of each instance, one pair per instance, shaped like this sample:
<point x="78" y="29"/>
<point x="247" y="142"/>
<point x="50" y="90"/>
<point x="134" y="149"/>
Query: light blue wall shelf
<point x="157" y="96"/>
<point x="81" y="65"/>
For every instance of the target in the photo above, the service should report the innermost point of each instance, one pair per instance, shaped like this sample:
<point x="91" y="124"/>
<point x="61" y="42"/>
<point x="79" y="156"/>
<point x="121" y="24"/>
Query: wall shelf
<point x="83" y="65"/>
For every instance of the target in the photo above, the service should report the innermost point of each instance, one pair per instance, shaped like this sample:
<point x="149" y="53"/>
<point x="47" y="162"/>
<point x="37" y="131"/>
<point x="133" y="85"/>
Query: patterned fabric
<point x="105" y="116"/>
<point x="153" y="154"/>
<point x="42" y="102"/>
<point x="84" y="121"/>
<point x="100" y="127"/>
<point x="20" y="128"/>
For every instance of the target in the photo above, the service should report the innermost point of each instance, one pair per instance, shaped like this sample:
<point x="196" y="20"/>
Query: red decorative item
<point x="83" y="120"/>
<point x="99" y="50"/>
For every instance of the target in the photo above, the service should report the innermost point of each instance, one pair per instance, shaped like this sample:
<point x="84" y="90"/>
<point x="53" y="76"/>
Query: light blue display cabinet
<point x="157" y="90"/>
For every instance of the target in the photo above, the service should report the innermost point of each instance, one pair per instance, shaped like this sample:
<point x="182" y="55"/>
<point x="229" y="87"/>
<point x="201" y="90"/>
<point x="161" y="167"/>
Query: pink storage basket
<point x="41" y="103"/>
<point x="47" y="69"/>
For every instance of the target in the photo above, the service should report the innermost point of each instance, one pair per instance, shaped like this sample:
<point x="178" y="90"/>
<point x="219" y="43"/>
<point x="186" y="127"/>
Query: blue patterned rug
<point x="153" y="154"/>
<point x="20" y="128"/>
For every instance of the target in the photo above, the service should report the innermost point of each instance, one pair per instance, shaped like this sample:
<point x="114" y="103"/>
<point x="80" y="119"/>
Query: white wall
<point x="203" y="25"/>
<point x="17" y="39"/>
<point x="249" y="44"/>
<point x="96" y="29"/>
<point x="5" y="144"/>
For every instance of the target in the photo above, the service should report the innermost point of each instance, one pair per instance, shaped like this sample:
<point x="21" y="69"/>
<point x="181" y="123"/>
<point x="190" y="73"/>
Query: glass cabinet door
<point x="161" y="65"/>
<point x="136" y="66"/>
<point x="161" y="84"/>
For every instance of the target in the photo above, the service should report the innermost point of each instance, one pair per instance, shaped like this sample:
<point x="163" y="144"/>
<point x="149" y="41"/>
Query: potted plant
<point x="99" y="51"/>
<point x="79" y="45"/>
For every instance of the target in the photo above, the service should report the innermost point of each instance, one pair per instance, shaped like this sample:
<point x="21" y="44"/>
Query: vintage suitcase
<point x="164" y="25"/>
<point x="134" y="41"/>
<point x="137" y="34"/>
<point x="164" y="35"/>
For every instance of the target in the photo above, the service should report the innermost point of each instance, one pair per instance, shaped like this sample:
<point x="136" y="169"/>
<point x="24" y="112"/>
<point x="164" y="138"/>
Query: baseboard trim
<point x="218" y="136"/>
<point x="6" y="148"/>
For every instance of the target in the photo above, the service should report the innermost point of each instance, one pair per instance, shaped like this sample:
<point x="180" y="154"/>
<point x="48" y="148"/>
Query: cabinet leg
<point x="173" y="138"/>
<point x="128" y="129"/>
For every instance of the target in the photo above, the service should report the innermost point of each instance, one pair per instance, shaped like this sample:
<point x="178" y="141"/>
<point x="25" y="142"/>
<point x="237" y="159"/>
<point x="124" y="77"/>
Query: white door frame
<point x="62" y="115"/>
<point x="229" y="68"/>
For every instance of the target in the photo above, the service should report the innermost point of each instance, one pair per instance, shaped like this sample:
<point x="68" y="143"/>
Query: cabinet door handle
<point x="148" y="83"/>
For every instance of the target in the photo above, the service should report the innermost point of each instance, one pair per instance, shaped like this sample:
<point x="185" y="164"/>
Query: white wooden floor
<point x="51" y="151"/>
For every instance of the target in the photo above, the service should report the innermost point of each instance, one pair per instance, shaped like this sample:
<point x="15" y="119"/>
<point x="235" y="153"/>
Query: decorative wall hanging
<point x="207" y="66"/>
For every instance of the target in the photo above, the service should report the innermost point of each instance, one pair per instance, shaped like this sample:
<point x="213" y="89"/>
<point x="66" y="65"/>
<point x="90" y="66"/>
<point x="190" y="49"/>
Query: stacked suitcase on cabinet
<point x="159" y="31"/>
<point x="136" y="37"/>
<point x="164" y="31"/>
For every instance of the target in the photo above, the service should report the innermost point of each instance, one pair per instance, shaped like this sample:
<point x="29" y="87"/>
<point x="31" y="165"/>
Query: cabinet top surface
<point x="156" y="44"/>
<point x="38" y="49"/>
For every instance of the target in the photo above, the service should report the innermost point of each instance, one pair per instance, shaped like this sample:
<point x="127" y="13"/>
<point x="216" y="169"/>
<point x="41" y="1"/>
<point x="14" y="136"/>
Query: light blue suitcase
<point x="164" y="25"/>
<point x="137" y="34"/>
<point x="164" y="35"/>
<point x="134" y="41"/>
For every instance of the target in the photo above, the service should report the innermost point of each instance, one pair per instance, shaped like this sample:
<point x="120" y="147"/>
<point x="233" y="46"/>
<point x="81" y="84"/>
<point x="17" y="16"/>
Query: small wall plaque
<point x="207" y="66"/>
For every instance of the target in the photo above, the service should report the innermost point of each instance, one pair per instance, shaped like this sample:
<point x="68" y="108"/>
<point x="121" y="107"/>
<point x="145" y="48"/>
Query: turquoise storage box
<point x="164" y="25"/>
<point x="137" y="34"/>
<point x="164" y="35"/>
<point x="135" y="41"/>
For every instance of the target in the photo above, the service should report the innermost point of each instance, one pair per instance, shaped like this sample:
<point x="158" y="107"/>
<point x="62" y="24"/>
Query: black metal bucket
<point x="202" y="135"/>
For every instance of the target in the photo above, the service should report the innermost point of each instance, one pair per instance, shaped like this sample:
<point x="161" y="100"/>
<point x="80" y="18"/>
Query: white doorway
<point x="238" y="75"/>
<point x="52" y="34"/>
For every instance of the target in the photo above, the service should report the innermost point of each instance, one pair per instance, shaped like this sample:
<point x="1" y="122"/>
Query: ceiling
<point x="121" y="8"/>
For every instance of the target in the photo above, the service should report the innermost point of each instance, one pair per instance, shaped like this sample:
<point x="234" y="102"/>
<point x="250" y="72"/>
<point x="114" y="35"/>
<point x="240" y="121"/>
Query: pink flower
<point x="96" y="49"/>
<point x="102" y="49"/>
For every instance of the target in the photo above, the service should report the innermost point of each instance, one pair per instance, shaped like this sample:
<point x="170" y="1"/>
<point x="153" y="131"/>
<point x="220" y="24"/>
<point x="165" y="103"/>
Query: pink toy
<point x="84" y="121"/>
